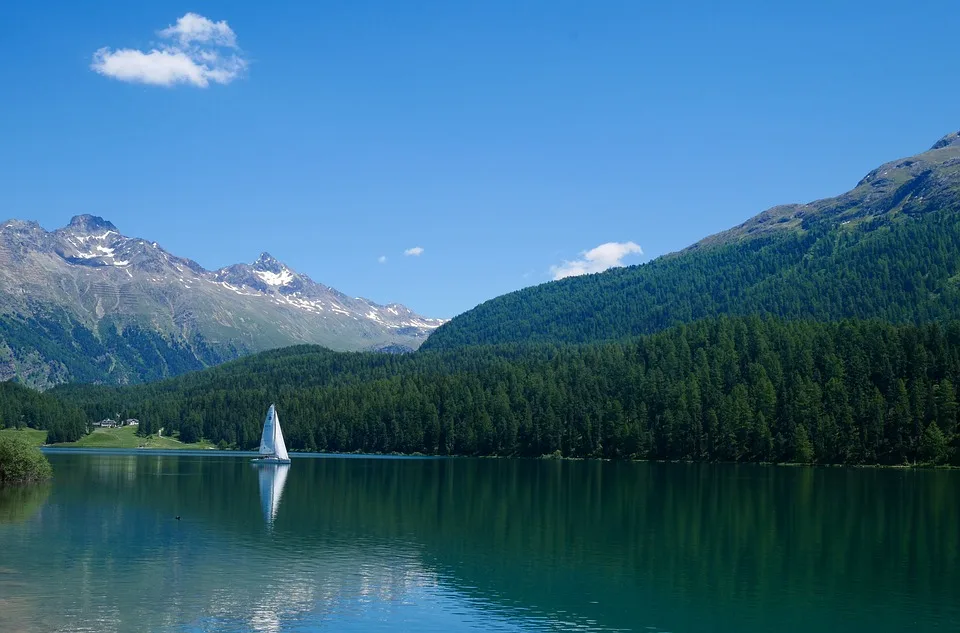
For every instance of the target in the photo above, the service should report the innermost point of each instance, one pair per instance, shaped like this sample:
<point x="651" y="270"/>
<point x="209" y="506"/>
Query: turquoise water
<point x="379" y="544"/>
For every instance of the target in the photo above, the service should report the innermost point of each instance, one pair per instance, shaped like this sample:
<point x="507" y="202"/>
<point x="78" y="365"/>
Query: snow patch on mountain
<point x="84" y="238"/>
<point x="281" y="278"/>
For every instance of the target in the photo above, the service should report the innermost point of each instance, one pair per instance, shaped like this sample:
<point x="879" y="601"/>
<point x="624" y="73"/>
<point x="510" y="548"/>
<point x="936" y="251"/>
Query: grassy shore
<point x="126" y="437"/>
<point x="35" y="437"/>
<point x="123" y="437"/>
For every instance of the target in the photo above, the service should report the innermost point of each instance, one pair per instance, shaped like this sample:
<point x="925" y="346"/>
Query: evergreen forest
<point x="738" y="389"/>
<point x="21" y="407"/>
<point x="900" y="269"/>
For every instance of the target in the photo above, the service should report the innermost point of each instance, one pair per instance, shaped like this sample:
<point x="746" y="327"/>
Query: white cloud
<point x="204" y="51"/>
<point x="596" y="260"/>
<point x="382" y="259"/>
<point x="196" y="28"/>
<point x="416" y="251"/>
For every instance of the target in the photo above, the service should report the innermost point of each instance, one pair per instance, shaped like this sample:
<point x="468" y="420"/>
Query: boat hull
<point x="268" y="461"/>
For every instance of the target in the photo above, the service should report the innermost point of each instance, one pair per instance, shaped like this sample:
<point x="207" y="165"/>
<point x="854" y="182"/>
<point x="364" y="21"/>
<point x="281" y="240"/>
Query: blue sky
<point x="504" y="138"/>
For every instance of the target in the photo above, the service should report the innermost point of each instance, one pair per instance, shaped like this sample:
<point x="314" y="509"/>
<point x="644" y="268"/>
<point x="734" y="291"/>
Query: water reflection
<point x="510" y="545"/>
<point x="19" y="503"/>
<point x="273" y="477"/>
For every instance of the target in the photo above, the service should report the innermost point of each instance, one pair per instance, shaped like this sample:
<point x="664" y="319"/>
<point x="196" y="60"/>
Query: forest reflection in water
<point x="482" y="544"/>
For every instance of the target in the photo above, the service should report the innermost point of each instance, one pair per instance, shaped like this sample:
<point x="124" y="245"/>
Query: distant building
<point x="108" y="423"/>
<point x="131" y="422"/>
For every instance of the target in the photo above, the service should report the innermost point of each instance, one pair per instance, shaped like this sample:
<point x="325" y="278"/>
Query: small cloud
<point x="416" y="251"/>
<point x="382" y="259"/>
<point x="202" y="51"/>
<point x="196" y="28"/>
<point x="596" y="260"/>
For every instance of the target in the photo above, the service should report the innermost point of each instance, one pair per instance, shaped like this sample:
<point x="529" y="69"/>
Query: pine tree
<point x="933" y="445"/>
<point x="899" y="422"/>
<point x="802" y="448"/>
<point x="945" y="397"/>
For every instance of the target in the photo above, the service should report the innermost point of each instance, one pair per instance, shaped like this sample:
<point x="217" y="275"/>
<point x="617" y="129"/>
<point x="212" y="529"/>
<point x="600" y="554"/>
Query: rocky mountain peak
<point x="87" y="223"/>
<point x="948" y="140"/>
<point x="272" y="272"/>
<point x="21" y="225"/>
<point x="268" y="262"/>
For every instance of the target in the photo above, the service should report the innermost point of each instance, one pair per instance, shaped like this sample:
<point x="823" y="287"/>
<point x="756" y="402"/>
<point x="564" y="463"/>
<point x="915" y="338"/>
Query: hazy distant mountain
<point x="87" y="303"/>
<point x="888" y="249"/>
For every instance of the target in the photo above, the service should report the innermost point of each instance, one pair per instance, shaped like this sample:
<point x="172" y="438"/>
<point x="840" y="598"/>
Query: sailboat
<point x="272" y="448"/>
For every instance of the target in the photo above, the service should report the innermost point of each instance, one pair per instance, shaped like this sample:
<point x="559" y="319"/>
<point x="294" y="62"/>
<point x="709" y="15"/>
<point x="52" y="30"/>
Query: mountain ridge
<point x="897" y="179"/>
<point x="87" y="277"/>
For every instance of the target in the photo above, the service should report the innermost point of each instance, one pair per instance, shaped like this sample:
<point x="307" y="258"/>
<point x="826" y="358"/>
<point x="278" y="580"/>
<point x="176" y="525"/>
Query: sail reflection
<point x="273" y="477"/>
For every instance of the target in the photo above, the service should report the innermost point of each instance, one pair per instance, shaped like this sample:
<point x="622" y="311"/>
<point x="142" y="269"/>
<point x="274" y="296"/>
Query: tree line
<point x="21" y="407"/>
<point x="728" y="389"/>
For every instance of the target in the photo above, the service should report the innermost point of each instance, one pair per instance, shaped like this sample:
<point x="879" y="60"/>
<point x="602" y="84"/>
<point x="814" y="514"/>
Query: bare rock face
<point x="85" y="302"/>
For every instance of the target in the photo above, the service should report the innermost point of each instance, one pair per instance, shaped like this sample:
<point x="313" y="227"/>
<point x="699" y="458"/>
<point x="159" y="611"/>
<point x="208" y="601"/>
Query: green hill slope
<point x="732" y="389"/>
<point x="888" y="249"/>
<point x="22" y="408"/>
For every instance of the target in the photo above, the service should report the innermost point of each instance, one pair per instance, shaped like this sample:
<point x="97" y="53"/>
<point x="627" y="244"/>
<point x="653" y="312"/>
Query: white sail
<point x="272" y="480"/>
<point x="279" y="446"/>
<point x="271" y="440"/>
<point x="266" y="438"/>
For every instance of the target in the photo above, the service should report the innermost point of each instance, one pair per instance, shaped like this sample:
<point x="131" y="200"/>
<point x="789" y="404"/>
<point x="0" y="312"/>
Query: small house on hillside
<point x="131" y="422"/>
<point x="107" y="423"/>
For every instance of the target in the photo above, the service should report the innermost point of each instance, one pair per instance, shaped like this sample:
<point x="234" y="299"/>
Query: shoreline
<point x="212" y="450"/>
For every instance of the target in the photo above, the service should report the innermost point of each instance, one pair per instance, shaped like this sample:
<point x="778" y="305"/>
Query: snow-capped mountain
<point x="85" y="302"/>
<point x="267" y="276"/>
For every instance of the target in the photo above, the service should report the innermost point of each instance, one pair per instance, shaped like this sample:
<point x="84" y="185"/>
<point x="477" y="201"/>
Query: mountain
<point x="86" y="303"/>
<point x="888" y="249"/>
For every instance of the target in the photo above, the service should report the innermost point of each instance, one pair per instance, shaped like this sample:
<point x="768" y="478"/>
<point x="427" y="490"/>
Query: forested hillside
<point x="732" y="389"/>
<point x="889" y="249"/>
<point x="21" y="407"/>
<point x="120" y="354"/>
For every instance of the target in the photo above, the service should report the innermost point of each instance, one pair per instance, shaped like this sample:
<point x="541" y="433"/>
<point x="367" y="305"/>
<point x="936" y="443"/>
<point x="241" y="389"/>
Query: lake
<point x="378" y="544"/>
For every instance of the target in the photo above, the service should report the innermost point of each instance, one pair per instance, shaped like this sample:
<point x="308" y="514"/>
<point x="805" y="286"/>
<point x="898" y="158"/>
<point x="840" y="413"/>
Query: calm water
<point x="357" y="544"/>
